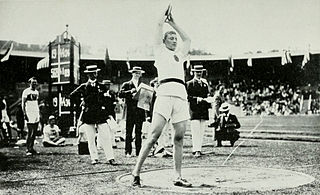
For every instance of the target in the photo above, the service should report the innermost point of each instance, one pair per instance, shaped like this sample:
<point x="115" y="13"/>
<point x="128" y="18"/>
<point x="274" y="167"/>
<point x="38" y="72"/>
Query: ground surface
<point x="63" y="171"/>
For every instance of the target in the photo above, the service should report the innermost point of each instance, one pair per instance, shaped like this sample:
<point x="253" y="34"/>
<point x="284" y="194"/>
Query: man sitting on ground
<point x="51" y="137"/>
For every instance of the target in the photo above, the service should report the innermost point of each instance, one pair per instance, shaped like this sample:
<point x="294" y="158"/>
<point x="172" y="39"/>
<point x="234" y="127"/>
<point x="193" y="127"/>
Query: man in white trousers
<point x="198" y="90"/>
<point x="30" y="108"/>
<point x="94" y="115"/>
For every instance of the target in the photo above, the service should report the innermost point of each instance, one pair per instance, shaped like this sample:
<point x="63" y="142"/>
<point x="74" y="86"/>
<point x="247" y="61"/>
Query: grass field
<point x="63" y="171"/>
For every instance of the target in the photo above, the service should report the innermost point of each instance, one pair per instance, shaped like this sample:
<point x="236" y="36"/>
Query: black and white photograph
<point x="160" y="97"/>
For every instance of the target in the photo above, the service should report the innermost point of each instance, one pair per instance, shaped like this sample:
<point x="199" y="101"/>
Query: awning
<point x="44" y="63"/>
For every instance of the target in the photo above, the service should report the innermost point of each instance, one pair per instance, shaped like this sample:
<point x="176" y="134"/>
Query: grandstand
<point x="249" y="69"/>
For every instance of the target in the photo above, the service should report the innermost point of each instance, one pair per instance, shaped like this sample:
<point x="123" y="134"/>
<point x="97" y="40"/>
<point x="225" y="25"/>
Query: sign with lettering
<point x="62" y="103"/>
<point x="60" y="63"/>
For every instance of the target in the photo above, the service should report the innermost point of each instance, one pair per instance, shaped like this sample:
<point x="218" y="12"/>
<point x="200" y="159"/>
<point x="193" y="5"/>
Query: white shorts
<point x="33" y="117"/>
<point x="172" y="107"/>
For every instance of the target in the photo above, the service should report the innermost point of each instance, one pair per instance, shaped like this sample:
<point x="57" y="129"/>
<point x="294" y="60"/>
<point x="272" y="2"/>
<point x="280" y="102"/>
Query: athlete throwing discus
<point x="171" y="102"/>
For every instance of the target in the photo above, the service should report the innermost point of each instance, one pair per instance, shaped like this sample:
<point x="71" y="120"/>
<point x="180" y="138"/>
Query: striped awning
<point x="44" y="63"/>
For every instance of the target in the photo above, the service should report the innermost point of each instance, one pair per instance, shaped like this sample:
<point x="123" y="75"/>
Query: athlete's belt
<point x="171" y="80"/>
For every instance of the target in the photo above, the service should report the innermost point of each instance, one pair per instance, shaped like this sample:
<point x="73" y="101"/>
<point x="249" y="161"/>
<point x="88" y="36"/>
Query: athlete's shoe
<point x="136" y="181"/>
<point x="113" y="162"/>
<point x="197" y="154"/>
<point x="94" y="162"/>
<point x="181" y="182"/>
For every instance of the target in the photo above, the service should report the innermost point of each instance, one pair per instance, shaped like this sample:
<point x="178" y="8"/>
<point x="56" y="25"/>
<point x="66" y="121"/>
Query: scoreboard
<point x="60" y="64"/>
<point x="64" y="62"/>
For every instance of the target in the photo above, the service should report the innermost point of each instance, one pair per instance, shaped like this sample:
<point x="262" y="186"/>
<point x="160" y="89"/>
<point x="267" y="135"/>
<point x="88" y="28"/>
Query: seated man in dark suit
<point x="226" y="126"/>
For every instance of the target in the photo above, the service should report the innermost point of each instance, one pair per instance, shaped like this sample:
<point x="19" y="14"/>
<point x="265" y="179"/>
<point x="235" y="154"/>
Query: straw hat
<point x="198" y="68"/>
<point x="224" y="107"/>
<point x="106" y="82"/>
<point x="91" y="68"/>
<point x="51" y="117"/>
<point x="136" y="69"/>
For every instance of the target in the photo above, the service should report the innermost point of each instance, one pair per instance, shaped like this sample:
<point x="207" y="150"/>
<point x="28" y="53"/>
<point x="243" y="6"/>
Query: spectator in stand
<point x="270" y="99"/>
<point x="31" y="112"/>
<point x="51" y="137"/>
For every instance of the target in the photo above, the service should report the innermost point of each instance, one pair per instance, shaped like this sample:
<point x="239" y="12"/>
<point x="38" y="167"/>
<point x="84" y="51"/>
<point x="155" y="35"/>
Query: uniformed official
<point x="135" y="116"/>
<point x="94" y="115"/>
<point x="198" y="90"/>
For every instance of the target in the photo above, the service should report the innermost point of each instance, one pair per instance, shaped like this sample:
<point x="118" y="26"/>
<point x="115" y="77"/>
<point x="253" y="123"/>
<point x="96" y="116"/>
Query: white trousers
<point x="104" y="137"/>
<point x="112" y="136"/>
<point x="197" y="131"/>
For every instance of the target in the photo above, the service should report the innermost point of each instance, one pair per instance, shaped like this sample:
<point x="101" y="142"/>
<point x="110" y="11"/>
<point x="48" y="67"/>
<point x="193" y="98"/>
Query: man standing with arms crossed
<point x="30" y="108"/>
<point x="171" y="102"/>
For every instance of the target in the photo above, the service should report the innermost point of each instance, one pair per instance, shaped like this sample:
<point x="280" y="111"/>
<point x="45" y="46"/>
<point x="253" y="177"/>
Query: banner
<point x="306" y="59"/>
<point x="7" y="53"/>
<point x="249" y="62"/>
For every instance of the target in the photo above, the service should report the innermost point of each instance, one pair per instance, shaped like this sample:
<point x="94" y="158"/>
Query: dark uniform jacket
<point x="230" y="124"/>
<point x="133" y="111"/>
<point x="226" y="129"/>
<point x="96" y="110"/>
<point x="198" y="110"/>
<point x="110" y="98"/>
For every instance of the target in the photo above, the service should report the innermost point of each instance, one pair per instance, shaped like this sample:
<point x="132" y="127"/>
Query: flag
<point x="128" y="64"/>
<point x="7" y="53"/>
<point x="288" y="56"/>
<point x="249" y="62"/>
<point x="230" y="60"/>
<point x="306" y="59"/>
<point x="284" y="58"/>
<point x="107" y="58"/>
<point x="108" y="64"/>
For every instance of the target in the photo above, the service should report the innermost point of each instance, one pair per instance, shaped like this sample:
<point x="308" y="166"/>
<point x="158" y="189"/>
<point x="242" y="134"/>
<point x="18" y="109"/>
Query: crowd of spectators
<point x="272" y="99"/>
